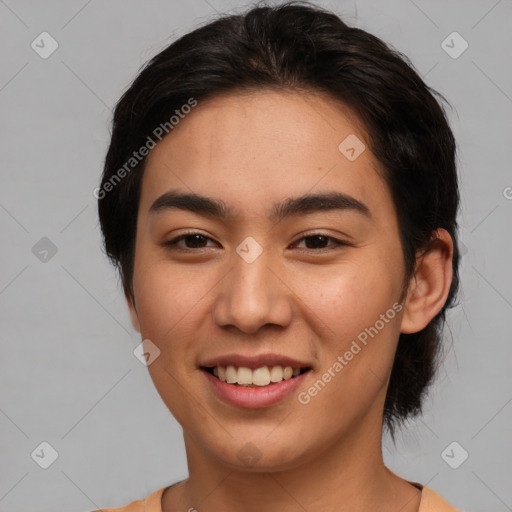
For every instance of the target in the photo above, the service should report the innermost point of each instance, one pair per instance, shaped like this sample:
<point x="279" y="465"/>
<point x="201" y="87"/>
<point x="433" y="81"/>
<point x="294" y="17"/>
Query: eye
<point x="193" y="240"/>
<point x="318" y="242"/>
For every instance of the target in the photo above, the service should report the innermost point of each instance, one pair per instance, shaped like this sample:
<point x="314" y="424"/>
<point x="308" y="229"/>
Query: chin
<point x="258" y="454"/>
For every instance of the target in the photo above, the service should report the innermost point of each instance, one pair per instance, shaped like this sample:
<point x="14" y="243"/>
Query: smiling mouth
<point x="259" y="377"/>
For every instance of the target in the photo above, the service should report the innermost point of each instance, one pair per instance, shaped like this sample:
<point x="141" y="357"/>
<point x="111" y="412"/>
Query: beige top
<point x="430" y="502"/>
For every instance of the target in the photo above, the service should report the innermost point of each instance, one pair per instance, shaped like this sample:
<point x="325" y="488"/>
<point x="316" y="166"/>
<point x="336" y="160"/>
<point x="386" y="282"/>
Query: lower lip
<point x="264" y="396"/>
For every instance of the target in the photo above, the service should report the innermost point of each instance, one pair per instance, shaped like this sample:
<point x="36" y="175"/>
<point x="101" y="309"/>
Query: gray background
<point x="68" y="375"/>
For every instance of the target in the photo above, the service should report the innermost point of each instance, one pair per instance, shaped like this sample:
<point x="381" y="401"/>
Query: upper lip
<point x="254" y="362"/>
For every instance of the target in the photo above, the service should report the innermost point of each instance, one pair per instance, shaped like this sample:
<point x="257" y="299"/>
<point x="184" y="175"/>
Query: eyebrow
<point x="302" y="205"/>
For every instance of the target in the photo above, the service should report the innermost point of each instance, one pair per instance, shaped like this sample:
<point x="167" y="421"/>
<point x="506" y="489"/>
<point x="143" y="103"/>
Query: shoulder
<point x="433" y="502"/>
<point x="152" y="503"/>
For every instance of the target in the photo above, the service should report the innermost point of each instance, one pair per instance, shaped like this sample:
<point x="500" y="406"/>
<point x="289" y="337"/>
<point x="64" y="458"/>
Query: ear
<point x="430" y="285"/>
<point x="133" y="312"/>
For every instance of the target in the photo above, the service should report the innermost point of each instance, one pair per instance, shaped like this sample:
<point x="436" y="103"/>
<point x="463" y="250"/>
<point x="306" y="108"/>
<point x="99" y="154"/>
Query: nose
<point x="253" y="295"/>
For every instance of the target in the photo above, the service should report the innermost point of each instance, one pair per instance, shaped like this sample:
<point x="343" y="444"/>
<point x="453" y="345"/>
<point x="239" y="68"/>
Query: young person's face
<point x="303" y="298"/>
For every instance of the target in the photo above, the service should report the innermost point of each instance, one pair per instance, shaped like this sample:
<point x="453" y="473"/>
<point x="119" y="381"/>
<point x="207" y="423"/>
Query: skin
<point x="251" y="150"/>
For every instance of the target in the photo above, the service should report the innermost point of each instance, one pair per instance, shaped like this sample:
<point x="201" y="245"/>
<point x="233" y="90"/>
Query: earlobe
<point x="430" y="285"/>
<point x="133" y="312"/>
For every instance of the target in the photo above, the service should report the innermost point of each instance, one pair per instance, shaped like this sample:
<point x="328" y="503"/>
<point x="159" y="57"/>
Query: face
<point x="315" y="281"/>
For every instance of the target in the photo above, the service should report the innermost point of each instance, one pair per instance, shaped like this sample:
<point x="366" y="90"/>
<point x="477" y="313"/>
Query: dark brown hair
<point x="300" y="46"/>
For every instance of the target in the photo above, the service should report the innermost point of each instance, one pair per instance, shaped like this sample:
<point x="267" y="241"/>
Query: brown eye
<point x="191" y="240"/>
<point x="321" y="241"/>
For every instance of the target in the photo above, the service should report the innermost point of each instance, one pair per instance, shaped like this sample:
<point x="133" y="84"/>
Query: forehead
<point x="254" y="148"/>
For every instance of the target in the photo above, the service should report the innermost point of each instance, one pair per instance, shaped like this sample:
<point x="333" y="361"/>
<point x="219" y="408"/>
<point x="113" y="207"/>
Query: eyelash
<point x="172" y="244"/>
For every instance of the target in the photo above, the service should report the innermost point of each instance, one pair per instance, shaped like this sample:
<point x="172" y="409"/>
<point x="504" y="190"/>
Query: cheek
<point x="167" y="297"/>
<point x="170" y="310"/>
<point x="350" y="297"/>
<point x="350" y="302"/>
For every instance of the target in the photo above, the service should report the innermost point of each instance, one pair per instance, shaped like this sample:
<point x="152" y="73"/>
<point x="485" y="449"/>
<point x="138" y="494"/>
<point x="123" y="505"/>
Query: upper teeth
<point x="259" y="376"/>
